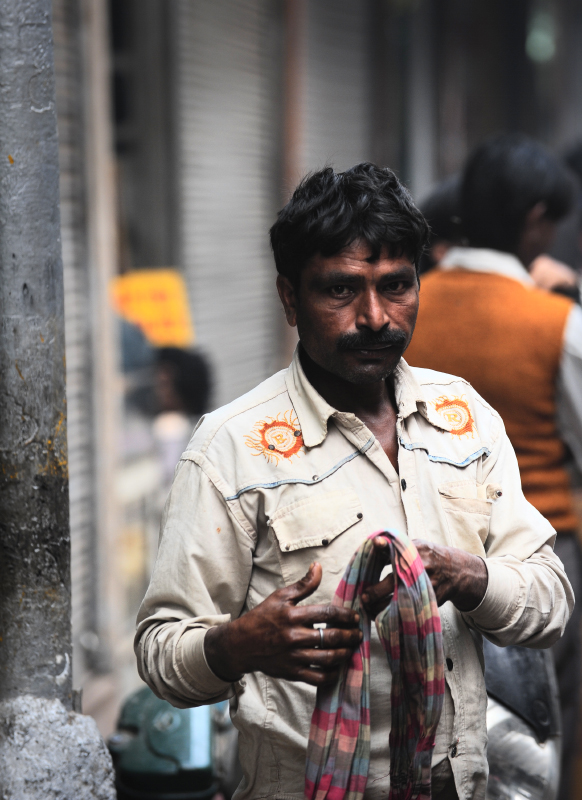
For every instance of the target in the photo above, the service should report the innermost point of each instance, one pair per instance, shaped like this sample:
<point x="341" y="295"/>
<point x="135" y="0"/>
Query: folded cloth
<point x="338" y="753"/>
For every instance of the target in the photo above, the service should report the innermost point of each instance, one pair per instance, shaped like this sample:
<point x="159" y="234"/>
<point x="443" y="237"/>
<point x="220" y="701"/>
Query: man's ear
<point x="288" y="298"/>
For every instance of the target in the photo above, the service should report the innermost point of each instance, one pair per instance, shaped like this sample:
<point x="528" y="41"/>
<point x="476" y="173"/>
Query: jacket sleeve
<point x="200" y="580"/>
<point x="527" y="602"/>
<point x="529" y="598"/>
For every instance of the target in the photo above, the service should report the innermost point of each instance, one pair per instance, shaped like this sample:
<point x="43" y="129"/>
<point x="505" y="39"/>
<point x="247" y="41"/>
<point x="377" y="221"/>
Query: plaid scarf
<point x="338" y="753"/>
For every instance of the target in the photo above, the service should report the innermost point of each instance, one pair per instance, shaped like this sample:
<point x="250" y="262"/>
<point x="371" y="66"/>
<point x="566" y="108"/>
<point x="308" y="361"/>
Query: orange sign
<point x="156" y="300"/>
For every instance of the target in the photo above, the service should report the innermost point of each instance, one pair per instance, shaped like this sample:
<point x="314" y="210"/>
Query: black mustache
<point x="360" y="340"/>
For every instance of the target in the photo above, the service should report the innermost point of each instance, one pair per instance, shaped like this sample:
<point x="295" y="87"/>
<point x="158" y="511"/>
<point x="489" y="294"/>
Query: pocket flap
<point x="467" y="496"/>
<point x="315" y="522"/>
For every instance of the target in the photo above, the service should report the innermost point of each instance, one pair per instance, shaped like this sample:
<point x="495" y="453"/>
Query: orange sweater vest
<point x="505" y="338"/>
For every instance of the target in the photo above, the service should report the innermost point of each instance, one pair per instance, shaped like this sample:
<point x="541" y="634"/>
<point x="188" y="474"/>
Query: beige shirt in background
<point x="242" y="521"/>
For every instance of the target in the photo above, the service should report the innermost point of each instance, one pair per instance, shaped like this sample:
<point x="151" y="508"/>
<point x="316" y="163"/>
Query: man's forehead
<point x="359" y="257"/>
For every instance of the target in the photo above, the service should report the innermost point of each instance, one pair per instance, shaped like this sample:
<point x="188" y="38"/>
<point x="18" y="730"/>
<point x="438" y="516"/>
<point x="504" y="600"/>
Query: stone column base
<point x="49" y="753"/>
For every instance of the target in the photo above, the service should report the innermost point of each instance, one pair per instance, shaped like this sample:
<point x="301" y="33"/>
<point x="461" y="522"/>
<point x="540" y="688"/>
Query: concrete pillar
<point x="46" y="749"/>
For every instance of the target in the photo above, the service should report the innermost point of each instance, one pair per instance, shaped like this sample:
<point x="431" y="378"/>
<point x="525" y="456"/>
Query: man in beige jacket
<point x="276" y="491"/>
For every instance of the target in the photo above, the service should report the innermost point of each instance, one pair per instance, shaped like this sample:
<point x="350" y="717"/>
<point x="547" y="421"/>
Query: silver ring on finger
<point x="320" y="646"/>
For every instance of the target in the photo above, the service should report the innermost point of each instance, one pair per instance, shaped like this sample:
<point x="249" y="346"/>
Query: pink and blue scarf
<point x="338" y="753"/>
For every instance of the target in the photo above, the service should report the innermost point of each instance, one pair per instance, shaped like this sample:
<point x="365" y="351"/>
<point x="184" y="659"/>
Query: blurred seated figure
<point x="441" y="211"/>
<point x="482" y="317"/>
<point x="182" y="384"/>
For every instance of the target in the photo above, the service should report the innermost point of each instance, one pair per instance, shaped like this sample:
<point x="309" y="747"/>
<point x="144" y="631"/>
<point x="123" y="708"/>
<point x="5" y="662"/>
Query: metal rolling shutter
<point x="226" y="130"/>
<point x="338" y="84"/>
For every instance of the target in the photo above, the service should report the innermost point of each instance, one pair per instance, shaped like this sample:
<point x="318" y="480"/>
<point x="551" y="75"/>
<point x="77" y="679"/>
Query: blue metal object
<point x="161" y="752"/>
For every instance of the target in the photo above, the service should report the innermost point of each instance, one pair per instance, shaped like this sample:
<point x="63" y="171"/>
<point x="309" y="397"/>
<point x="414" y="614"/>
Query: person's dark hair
<point x="503" y="180"/>
<point x="192" y="378"/>
<point x="330" y="210"/>
<point x="441" y="210"/>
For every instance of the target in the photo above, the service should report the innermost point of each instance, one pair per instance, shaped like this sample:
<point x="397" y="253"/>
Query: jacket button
<point x="403" y="484"/>
<point x="360" y="515"/>
<point x="271" y="447"/>
<point x="315" y="477"/>
<point x="449" y="664"/>
<point x="296" y="433"/>
<point x="287" y="546"/>
<point x="325" y="542"/>
<point x="454" y="751"/>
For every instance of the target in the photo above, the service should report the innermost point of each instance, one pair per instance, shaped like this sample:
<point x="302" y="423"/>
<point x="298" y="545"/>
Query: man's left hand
<point x="455" y="575"/>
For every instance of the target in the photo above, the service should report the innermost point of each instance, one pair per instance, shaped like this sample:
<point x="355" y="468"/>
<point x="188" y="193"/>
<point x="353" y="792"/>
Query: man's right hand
<point x="278" y="638"/>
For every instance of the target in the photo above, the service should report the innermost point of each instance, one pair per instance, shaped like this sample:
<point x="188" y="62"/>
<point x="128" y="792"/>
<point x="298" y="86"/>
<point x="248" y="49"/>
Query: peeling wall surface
<point x="46" y="750"/>
<point x="35" y="652"/>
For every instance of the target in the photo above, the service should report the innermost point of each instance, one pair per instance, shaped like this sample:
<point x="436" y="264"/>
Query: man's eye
<point x="340" y="291"/>
<point x="396" y="286"/>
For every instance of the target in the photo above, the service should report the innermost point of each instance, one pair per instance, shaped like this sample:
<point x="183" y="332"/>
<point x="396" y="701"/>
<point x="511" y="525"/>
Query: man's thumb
<point x="306" y="586"/>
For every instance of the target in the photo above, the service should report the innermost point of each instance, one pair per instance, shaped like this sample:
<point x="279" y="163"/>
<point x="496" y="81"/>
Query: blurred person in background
<point x="441" y="210"/>
<point x="558" y="270"/>
<point x="166" y="390"/>
<point x="482" y="317"/>
<point x="567" y="246"/>
<point x="182" y="386"/>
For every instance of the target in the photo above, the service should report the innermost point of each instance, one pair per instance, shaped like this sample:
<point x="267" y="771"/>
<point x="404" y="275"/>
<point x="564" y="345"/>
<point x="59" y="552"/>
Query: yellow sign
<point x="156" y="301"/>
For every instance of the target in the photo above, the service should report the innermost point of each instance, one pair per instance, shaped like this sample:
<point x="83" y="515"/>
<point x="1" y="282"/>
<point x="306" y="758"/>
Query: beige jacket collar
<point x="313" y="412"/>
<point x="480" y="259"/>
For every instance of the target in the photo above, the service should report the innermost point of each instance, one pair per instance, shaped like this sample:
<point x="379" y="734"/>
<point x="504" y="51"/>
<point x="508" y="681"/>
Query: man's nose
<point x="371" y="312"/>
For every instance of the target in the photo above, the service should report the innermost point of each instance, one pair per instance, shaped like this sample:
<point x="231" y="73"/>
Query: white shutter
<point x="226" y="130"/>
<point x="338" y="84"/>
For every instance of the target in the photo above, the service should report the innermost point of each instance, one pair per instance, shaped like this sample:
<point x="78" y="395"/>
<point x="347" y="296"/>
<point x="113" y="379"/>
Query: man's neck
<point x="364" y="400"/>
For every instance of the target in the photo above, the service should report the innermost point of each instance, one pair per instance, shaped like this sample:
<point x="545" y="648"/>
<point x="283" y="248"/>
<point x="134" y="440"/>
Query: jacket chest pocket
<point x="311" y="530"/>
<point x="467" y="506"/>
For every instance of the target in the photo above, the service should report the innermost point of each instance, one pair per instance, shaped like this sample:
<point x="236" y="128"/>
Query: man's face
<point x="354" y="316"/>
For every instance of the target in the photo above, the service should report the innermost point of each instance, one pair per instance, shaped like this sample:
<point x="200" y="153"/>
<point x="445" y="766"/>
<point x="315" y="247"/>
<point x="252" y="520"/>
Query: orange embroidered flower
<point x="456" y="413"/>
<point x="276" y="438"/>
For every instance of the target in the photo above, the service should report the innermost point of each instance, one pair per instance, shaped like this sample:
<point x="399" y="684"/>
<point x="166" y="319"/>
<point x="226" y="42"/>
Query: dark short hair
<point x="330" y="210"/>
<point x="503" y="180"/>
